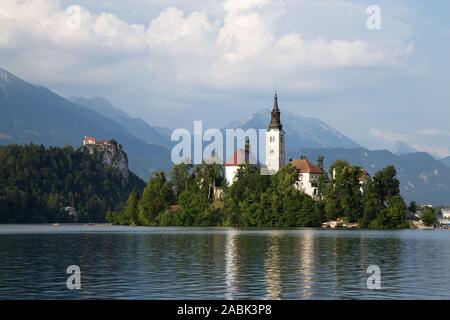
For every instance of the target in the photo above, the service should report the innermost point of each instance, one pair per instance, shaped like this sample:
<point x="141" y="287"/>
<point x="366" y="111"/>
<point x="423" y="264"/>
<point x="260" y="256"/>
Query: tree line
<point x="37" y="185"/>
<point x="186" y="198"/>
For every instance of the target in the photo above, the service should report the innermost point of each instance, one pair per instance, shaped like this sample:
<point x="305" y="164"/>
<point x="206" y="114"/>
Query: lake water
<point x="221" y="263"/>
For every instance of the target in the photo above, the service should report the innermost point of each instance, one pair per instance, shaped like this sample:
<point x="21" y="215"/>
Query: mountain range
<point x="401" y="148"/>
<point x="301" y="132"/>
<point x="34" y="114"/>
<point x="31" y="113"/>
<point x="423" y="178"/>
<point x="136" y="126"/>
<point x="446" y="161"/>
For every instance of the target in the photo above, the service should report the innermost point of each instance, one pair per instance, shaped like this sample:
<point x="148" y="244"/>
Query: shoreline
<point x="417" y="227"/>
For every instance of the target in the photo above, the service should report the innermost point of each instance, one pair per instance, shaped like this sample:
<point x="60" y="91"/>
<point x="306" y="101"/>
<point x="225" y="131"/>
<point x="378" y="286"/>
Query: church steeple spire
<point x="275" y="101"/>
<point x="275" y="144"/>
<point x="275" y="122"/>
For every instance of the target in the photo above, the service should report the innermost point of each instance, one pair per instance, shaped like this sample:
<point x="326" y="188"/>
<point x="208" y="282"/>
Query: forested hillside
<point x="34" y="114"/>
<point x="39" y="185"/>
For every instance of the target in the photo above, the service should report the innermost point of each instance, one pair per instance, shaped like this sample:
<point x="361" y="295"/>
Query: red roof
<point x="304" y="166"/>
<point x="89" y="138"/>
<point x="241" y="157"/>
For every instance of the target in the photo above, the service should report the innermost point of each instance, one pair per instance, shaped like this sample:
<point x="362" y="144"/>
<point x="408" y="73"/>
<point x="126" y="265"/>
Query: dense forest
<point x="256" y="200"/>
<point x="39" y="185"/>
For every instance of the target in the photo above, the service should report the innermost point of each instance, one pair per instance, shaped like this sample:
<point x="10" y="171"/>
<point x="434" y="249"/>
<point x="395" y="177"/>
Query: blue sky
<point x="173" y="62"/>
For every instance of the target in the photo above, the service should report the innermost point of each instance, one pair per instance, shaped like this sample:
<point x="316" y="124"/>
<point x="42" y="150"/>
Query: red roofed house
<point x="308" y="177"/>
<point x="104" y="142"/>
<point x="93" y="140"/>
<point x="240" y="157"/>
<point x="89" y="140"/>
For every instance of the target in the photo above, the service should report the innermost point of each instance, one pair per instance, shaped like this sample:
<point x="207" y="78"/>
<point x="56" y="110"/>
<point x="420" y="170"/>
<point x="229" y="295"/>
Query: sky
<point x="175" y="61"/>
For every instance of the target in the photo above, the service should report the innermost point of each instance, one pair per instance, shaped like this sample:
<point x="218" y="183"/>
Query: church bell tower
<point x="275" y="145"/>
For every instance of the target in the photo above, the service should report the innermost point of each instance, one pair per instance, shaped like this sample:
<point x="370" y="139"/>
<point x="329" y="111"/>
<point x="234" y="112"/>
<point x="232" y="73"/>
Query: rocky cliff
<point x="112" y="155"/>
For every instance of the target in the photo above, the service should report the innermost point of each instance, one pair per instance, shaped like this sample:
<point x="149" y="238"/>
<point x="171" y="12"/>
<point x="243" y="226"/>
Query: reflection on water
<point x="273" y="267"/>
<point x="220" y="263"/>
<point x="306" y="265"/>
<point x="231" y="264"/>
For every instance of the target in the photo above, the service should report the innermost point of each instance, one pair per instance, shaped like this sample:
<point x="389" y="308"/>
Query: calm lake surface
<point x="221" y="263"/>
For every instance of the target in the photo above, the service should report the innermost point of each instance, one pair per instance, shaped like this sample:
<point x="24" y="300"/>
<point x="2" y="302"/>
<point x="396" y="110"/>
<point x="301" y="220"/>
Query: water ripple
<point x="221" y="263"/>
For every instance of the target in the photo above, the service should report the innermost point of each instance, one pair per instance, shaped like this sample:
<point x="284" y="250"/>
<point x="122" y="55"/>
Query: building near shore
<point x="274" y="146"/>
<point x="240" y="157"/>
<point x="308" y="177"/>
<point x="275" y="141"/>
<point x="446" y="213"/>
<point x="308" y="173"/>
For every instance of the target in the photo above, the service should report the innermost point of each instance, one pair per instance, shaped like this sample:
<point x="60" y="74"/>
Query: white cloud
<point x="171" y="27"/>
<point x="237" y="6"/>
<point x="433" y="133"/>
<point x="415" y="139"/>
<point x="180" y="55"/>
<point x="231" y="49"/>
<point x="390" y="136"/>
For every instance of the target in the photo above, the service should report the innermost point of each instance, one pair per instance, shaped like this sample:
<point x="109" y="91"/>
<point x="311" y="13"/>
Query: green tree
<point x="412" y="208"/>
<point x="343" y="194"/>
<point x="193" y="202"/>
<point x="287" y="202"/>
<point x="309" y="214"/>
<point x="131" y="212"/>
<point x="251" y="213"/>
<point x="386" y="184"/>
<point x="181" y="177"/>
<point x="156" y="198"/>
<point x="428" y="216"/>
<point x="372" y="205"/>
<point x="320" y="162"/>
<point x="248" y="181"/>
<point x="396" y="210"/>
<point x="393" y="216"/>
<point x="166" y="218"/>
<point x="323" y="180"/>
<point x="37" y="183"/>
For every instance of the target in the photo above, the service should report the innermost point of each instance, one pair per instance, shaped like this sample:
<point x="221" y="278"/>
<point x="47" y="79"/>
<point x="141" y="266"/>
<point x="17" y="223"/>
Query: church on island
<point x="275" y="151"/>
